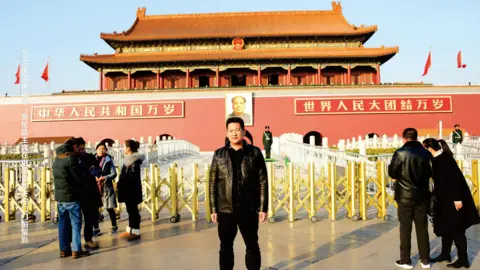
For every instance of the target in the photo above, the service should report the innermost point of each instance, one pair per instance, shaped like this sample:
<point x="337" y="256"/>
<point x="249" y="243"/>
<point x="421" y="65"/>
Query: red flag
<point x="428" y="64"/>
<point x="18" y="75"/>
<point x="459" y="60"/>
<point x="45" y="73"/>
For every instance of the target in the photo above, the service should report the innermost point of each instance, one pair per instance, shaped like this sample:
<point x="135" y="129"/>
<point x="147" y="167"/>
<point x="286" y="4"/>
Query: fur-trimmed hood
<point x="130" y="159"/>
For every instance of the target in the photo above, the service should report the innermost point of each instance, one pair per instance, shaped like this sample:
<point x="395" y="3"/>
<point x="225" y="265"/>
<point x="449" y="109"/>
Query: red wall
<point x="204" y="121"/>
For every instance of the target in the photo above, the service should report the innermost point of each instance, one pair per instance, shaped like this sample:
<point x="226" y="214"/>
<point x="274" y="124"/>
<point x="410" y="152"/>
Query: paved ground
<point x="342" y="244"/>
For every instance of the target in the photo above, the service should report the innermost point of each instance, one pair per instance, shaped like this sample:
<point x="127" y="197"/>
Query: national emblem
<point x="238" y="43"/>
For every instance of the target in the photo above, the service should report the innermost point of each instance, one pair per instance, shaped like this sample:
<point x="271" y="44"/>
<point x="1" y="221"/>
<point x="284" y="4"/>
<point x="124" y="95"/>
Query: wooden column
<point x="129" y="79"/>
<point x="218" y="77"/>
<point x="289" y="75"/>
<point x="187" y="78"/>
<point x="349" y="75"/>
<point x="162" y="81"/>
<point x="158" y="78"/>
<point x="259" y="75"/>
<point x="101" y="79"/>
<point x="378" y="74"/>
<point x="319" y="75"/>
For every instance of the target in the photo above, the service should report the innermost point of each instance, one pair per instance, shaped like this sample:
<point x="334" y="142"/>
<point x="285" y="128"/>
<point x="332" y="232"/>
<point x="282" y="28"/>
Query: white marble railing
<point x="156" y="153"/>
<point x="292" y="146"/>
<point x="395" y="141"/>
<point x="162" y="150"/>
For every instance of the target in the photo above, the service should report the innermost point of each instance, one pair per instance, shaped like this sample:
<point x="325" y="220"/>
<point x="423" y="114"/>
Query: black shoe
<point x="459" y="264"/>
<point x="442" y="258"/>
<point x="97" y="233"/>
<point x="114" y="230"/>
<point x="404" y="264"/>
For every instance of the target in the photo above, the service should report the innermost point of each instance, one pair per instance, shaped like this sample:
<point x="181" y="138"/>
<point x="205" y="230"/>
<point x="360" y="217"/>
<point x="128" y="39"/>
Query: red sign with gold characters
<point x="106" y="111"/>
<point x="367" y="105"/>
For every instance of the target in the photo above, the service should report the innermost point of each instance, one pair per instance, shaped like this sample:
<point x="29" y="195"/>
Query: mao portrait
<point x="240" y="105"/>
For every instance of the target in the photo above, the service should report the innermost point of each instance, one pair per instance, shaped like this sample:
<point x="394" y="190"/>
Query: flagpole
<point x="48" y="64"/>
<point x="20" y="74"/>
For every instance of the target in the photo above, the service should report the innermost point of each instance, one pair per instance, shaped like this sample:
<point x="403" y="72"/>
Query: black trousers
<point x="267" y="153"/>
<point x="228" y="225"/>
<point x="407" y="214"/>
<point x="133" y="215"/>
<point x="90" y="215"/>
<point x="113" y="216"/>
<point x="460" y="242"/>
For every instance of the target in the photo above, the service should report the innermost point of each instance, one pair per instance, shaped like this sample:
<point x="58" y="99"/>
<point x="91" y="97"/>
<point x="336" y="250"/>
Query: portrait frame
<point x="246" y="103"/>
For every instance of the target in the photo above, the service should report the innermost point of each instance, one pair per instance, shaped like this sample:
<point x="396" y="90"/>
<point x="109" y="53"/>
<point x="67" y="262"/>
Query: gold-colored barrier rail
<point x="294" y="191"/>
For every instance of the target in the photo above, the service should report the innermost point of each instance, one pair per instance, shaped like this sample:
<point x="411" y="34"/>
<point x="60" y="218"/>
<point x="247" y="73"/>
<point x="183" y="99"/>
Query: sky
<point x="63" y="30"/>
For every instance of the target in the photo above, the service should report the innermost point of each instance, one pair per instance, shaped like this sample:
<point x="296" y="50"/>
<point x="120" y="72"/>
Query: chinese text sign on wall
<point x="167" y="109"/>
<point x="412" y="104"/>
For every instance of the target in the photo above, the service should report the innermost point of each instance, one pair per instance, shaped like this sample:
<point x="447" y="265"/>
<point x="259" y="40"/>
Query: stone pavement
<point x="342" y="244"/>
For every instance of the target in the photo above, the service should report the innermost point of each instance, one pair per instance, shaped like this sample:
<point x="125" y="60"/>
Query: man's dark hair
<point x="235" y="120"/>
<point x="410" y="134"/>
<point x="457" y="125"/>
<point x="267" y="127"/>
<point x="78" y="141"/>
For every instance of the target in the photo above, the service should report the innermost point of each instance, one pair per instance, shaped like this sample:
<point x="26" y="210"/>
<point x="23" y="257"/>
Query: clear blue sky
<point x="65" y="29"/>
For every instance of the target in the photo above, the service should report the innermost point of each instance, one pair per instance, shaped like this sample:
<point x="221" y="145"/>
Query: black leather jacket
<point x="411" y="168"/>
<point x="253" y="192"/>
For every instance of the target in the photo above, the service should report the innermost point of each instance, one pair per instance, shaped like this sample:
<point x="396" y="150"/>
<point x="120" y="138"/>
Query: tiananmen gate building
<point x="296" y="71"/>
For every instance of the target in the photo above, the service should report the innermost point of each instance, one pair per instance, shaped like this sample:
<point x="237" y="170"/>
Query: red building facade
<point x="199" y="116"/>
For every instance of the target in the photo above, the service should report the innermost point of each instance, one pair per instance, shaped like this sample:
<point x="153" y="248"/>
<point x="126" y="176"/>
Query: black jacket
<point x="87" y="165"/>
<point x="411" y="168"/>
<point x="253" y="191"/>
<point x="129" y="186"/>
<point x="450" y="186"/>
<point x="67" y="178"/>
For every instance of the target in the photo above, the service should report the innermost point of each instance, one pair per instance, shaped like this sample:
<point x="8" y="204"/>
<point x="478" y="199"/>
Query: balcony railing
<point x="263" y="87"/>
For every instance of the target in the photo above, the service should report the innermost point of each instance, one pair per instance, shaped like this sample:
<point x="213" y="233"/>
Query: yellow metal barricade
<point x="6" y="190"/>
<point x="280" y="192"/>
<point x="346" y="190"/>
<point x="188" y="192"/>
<point x="320" y="191"/>
<point x="208" y="209"/>
<point x="476" y="183"/>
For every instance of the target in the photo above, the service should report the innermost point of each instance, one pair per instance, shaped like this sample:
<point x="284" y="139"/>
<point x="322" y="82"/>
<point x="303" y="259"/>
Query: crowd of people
<point x="84" y="183"/>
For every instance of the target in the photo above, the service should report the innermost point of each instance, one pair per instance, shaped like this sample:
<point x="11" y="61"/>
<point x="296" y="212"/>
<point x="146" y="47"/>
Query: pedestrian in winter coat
<point x="91" y="200"/>
<point x="105" y="175"/>
<point x="238" y="194"/>
<point x="410" y="167"/>
<point x="69" y="189"/>
<point x="455" y="209"/>
<point x="129" y="188"/>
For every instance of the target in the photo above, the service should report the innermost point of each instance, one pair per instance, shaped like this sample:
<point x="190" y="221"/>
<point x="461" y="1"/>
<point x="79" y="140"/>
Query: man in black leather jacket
<point x="238" y="195"/>
<point x="411" y="169"/>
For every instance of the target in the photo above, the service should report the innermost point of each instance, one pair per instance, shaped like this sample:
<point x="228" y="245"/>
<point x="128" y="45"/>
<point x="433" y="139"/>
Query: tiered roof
<point x="250" y="54"/>
<point x="246" y="25"/>
<point x="240" y="24"/>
